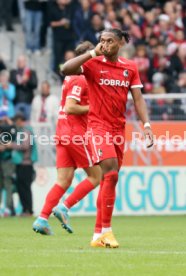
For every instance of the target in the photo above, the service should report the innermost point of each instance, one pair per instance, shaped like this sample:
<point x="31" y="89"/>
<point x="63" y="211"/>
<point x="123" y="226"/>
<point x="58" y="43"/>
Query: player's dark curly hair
<point x="119" y="33"/>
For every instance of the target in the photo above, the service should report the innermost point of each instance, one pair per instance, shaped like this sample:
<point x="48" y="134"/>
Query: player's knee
<point x="95" y="179"/>
<point x="112" y="176"/>
<point x="98" y="179"/>
<point x="109" y="165"/>
<point x="64" y="182"/>
<point x="94" y="175"/>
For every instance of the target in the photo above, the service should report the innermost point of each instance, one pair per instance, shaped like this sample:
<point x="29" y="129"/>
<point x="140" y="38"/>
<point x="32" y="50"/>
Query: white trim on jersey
<point x="74" y="97"/>
<point x="88" y="156"/>
<point x="137" y="85"/>
<point x="82" y="70"/>
<point x="95" y="147"/>
<point x="121" y="61"/>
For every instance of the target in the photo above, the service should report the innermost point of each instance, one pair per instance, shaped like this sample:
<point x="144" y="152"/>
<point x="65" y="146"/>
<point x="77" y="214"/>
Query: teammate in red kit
<point x="109" y="78"/>
<point x="72" y="152"/>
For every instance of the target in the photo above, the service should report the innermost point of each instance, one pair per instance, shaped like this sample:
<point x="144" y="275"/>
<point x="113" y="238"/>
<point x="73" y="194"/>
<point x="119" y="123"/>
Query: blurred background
<point x="38" y="35"/>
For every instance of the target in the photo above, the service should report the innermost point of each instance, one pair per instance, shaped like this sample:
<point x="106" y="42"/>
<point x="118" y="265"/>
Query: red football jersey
<point x="109" y="83"/>
<point x="74" y="87"/>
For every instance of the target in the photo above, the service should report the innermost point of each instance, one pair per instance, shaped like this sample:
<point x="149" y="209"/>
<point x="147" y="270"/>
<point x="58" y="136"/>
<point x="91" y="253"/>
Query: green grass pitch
<point x="148" y="246"/>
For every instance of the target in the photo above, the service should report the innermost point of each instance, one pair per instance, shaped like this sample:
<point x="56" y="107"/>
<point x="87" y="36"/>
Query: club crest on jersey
<point x="100" y="152"/>
<point x="125" y="73"/>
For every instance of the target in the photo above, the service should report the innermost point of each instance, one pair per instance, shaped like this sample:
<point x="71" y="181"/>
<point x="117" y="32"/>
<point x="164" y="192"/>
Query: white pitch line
<point x="98" y="251"/>
<point x="62" y="266"/>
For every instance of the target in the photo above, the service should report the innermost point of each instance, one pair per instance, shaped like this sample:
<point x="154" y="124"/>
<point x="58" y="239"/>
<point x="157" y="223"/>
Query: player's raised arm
<point x="73" y="66"/>
<point x="141" y="110"/>
<point x="72" y="107"/>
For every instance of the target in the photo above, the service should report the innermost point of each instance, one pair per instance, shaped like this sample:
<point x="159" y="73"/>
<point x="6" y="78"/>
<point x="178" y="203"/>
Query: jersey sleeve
<point x="75" y="89"/>
<point x="136" y="82"/>
<point x="87" y="68"/>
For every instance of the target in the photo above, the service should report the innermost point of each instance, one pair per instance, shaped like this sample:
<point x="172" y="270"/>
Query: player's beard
<point x="106" y="53"/>
<point x="109" y="52"/>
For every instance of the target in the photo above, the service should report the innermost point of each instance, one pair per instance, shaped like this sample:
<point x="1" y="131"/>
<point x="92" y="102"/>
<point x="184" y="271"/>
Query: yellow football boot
<point x="105" y="240"/>
<point x="97" y="243"/>
<point x="109" y="240"/>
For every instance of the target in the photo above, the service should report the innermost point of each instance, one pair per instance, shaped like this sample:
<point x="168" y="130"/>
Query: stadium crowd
<point x="158" y="46"/>
<point x="157" y="29"/>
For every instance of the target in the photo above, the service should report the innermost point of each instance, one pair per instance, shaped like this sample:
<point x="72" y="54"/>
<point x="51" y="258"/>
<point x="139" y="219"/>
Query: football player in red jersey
<point x="72" y="152"/>
<point x="109" y="78"/>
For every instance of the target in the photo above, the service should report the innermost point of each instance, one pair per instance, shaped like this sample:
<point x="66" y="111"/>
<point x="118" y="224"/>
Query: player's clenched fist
<point x="99" y="49"/>
<point x="148" y="137"/>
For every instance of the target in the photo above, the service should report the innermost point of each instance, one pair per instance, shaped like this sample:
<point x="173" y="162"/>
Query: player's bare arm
<point x="141" y="110"/>
<point x="73" y="66"/>
<point x="73" y="107"/>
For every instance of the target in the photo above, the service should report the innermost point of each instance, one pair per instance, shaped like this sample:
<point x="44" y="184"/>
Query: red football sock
<point x="52" y="200"/>
<point x="108" y="197"/>
<point x="79" y="192"/>
<point x="98" y="224"/>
